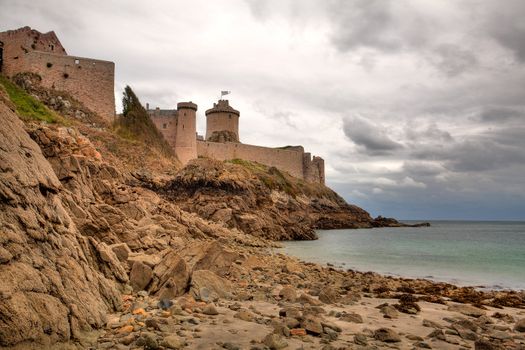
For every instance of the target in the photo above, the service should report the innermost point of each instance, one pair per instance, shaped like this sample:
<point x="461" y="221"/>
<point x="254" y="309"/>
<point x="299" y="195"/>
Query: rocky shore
<point x="97" y="252"/>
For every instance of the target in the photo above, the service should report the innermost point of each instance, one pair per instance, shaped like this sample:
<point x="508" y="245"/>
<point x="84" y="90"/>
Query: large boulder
<point x="140" y="276"/>
<point x="206" y="286"/>
<point x="170" y="276"/>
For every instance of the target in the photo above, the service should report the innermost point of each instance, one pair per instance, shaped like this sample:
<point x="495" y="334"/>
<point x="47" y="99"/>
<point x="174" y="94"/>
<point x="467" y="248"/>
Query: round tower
<point x="186" y="137"/>
<point x="222" y="123"/>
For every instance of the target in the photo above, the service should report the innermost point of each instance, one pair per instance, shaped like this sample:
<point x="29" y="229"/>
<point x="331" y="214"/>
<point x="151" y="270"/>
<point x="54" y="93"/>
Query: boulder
<point x="245" y="315"/>
<point x="468" y="310"/>
<point x="288" y="293"/>
<point x="140" y="276"/>
<point x="275" y="341"/>
<point x="121" y="250"/>
<point x="386" y="335"/>
<point x="306" y="299"/>
<point x="170" y="276"/>
<point x="172" y="342"/>
<point x="351" y="317"/>
<point x="389" y="311"/>
<point x="210" y="309"/>
<point x="206" y="286"/>
<point x="329" y="295"/>
<point x="312" y="325"/>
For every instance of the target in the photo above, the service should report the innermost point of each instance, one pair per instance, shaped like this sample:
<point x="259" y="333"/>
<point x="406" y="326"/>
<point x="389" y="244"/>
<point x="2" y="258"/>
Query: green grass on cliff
<point x="275" y="179"/>
<point x="28" y="107"/>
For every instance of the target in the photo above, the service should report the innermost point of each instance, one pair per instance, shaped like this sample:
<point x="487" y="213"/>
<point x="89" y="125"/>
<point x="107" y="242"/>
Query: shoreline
<point x="430" y="279"/>
<point x="447" y="253"/>
<point x="269" y="300"/>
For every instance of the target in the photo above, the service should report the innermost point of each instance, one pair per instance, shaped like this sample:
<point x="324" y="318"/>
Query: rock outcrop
<point x="259" y="201"/>
<point x="53" y="285"/>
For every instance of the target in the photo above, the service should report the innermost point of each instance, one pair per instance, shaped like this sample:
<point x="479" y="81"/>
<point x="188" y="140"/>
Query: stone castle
<point x="222" y="140"/>
<point x="92" y="82"/>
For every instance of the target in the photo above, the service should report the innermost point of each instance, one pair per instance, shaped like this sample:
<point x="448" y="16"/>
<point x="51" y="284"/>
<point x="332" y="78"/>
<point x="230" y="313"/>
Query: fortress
<point x="92" y="82"/>
<point x="222" y="140"/>
<point x="88" y="80"/>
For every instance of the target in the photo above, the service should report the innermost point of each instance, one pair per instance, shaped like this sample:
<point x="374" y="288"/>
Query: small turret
<point x="222" y="122"/>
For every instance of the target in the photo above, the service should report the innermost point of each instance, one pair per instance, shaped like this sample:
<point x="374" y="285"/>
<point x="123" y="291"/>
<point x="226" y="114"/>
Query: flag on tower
<point x="224" y="93"/>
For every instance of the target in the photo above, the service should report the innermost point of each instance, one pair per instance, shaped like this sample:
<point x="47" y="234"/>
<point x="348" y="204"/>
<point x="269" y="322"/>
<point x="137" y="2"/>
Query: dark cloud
<point x="505" y="24"/>
<point x="502" y="114"/>
<point x="490" y="150"/>
<point x="452" y="59"/>
<point x="372" y="138"/>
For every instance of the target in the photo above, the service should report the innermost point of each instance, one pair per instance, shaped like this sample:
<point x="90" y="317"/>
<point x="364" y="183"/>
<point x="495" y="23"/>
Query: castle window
<point x="52" y="47"/>
<point x="77" y="61"/>
<point x="182" y="126"/>
<point x="164" y="126"/>
<point x="229" y="116"/>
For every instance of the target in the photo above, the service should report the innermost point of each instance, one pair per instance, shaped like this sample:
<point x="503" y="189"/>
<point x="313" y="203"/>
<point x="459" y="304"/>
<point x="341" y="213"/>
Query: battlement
<point x="157" y="112"/>
<point x="187" y="105"/>
<point x="222" y="106"/>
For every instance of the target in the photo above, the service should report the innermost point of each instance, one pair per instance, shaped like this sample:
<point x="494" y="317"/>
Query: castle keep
<point x="222" y="140"/>
<point x="88" y="80"/>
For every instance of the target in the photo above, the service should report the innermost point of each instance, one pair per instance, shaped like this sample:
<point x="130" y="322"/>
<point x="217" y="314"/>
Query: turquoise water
<point x="488" y="254"/>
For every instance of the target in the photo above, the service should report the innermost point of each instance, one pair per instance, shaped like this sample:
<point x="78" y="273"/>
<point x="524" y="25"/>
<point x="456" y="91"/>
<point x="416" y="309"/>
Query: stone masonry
<point x="88" y="80"/>
<point x="178" y="126"/>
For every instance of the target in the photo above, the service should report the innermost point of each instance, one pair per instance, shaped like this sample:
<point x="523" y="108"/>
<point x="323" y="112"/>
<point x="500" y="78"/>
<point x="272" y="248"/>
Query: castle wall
<point x="88" y="80"/>
<point x="287" y="160"/>
<point x="166" y="124"/>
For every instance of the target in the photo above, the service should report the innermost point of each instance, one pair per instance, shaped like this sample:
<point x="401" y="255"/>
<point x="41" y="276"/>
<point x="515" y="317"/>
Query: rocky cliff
<point x="71" y="228"/>
<point x="259" y="200"/>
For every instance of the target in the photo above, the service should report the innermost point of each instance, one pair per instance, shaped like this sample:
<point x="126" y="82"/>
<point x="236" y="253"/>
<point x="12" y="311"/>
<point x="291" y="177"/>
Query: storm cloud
<point x="417" y="107"/>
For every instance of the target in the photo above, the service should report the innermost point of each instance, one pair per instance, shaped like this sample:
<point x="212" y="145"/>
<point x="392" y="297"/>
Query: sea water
<point x="482" y="254"/>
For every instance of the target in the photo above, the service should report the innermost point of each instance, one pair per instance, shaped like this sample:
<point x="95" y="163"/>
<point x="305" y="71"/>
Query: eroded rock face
<point x="52" y="287"/>
<point x="266" y="204"/>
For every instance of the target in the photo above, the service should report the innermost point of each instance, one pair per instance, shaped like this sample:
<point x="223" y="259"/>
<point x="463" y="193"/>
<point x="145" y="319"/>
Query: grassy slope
<point x="28" y="107"/>
<point x="124" y="151"/>
<point x="276" y="179"/>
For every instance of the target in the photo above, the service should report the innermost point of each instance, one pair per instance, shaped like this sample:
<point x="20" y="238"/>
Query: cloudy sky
<point x="417" y="106"/>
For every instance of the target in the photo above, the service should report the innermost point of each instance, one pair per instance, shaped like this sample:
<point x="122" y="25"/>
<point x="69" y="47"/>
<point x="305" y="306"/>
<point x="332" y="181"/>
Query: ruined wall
<point x="18" y="42"/>
<point x="313" y="169"/>
<point x="287" y="160"/>
<point x="88" y="80"/>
